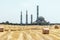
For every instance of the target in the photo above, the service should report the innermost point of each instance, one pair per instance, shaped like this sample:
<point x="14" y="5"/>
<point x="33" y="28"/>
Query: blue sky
<point x="10" y="10"/>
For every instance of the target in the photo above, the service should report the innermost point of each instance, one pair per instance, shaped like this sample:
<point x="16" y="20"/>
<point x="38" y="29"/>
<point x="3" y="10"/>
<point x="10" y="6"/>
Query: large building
<point x="39" y="20"/>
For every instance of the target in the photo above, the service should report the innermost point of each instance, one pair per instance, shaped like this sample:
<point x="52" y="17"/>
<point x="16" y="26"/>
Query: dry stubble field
<point x="33" y="32"/>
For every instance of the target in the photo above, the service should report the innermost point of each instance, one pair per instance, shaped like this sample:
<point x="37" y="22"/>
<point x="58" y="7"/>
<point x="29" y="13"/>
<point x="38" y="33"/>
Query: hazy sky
<point x="10" y="10"/>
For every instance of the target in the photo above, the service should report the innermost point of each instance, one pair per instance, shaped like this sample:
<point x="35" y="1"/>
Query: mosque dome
<point x="41" y="18"/>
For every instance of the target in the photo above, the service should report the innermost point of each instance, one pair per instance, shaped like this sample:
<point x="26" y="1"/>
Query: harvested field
<point x="29" y="33"/>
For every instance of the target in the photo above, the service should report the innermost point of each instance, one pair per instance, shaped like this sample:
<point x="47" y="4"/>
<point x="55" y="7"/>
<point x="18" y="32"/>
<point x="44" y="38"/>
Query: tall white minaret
<point x="31" y="18"/>
<point x="26" y="17"/>
<point x="21" y="17"/>
<point x="37" y="11"/>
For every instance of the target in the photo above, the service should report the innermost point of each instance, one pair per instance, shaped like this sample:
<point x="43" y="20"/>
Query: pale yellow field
<point x="29" y="33"/>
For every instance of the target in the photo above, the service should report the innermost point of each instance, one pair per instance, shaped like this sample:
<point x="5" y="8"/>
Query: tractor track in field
<point x="4" y="36"/>
<point x="34" y="36"/>
<point x="20" y="36"/>
<point x="15" y="35"/>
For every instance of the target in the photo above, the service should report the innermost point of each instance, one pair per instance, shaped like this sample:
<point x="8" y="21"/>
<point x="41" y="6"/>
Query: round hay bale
<point x="45" y="30"/>
<point x="6" y="29"/>
<point x="56" y="27"/>
<point x="1" y="28"/>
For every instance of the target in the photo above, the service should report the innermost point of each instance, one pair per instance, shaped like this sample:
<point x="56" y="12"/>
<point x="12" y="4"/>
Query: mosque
<point x="39" y="21"/>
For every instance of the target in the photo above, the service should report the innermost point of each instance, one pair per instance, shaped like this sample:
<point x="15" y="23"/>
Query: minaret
<point x="26" y="17"/>
<point x="21" y="17"/>
<point x="31" y="18"/>
<point x="37" y="11"/>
